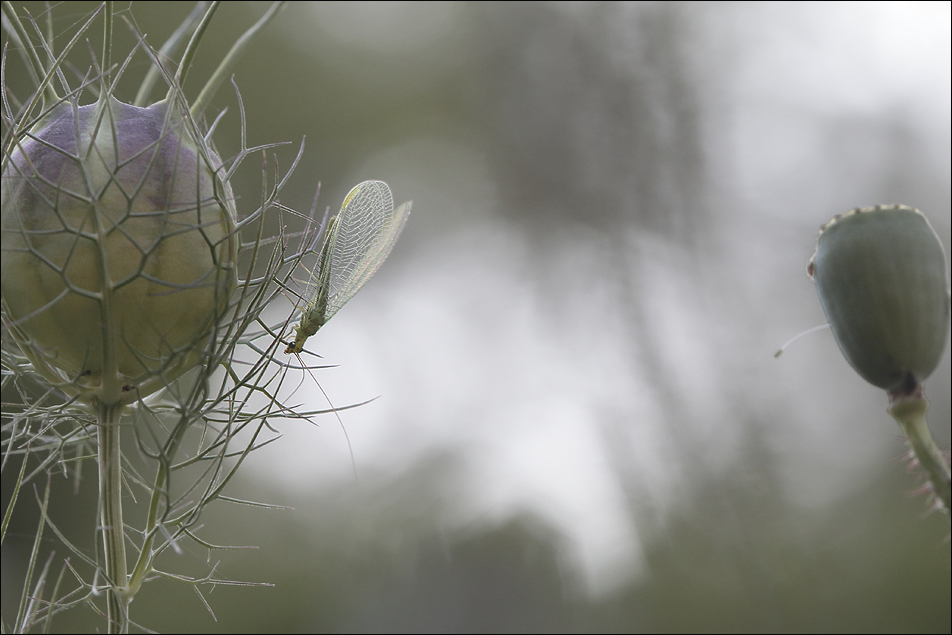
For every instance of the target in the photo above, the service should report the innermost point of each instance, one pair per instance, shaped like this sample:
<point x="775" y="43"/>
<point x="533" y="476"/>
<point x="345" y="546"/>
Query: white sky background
<point x="533" y="381"/>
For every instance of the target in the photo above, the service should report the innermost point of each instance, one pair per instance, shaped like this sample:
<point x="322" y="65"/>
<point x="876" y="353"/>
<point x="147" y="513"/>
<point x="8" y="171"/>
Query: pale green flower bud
<point x="881" y="277"/>
<point x="119" y="246"/>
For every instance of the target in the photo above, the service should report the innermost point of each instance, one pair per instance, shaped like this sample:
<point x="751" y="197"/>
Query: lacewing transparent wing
<point x="356" y="242"/>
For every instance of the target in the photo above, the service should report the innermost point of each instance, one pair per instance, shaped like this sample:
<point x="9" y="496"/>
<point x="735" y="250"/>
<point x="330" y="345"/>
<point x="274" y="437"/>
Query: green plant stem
<point x="910" y="413"/>
<point x="143" y="565"/>
<point x="113" y="529"/>
<point x="31" y="58"/>
<point x="107" y="44"/>
<point x="228" y="63"/>
<point x="190" y="50"/>
<point x="168" y="49"/>
<point x="24" y="616"/>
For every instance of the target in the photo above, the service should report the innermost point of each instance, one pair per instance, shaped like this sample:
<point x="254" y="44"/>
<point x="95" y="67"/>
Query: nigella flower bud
<point x="118" y="246"/>
<point x="881" y="277"/>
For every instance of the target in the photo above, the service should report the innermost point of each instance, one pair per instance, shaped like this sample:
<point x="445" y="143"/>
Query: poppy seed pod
<point x="118" y="246"/>
<point x="881" y="276"/>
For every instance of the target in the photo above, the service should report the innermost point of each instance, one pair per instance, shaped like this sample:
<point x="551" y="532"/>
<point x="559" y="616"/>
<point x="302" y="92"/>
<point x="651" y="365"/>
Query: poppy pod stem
<point x="909" y="411"/>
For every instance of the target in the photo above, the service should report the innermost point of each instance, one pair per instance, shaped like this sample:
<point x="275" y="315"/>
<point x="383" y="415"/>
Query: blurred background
<point x="581" y="425"/>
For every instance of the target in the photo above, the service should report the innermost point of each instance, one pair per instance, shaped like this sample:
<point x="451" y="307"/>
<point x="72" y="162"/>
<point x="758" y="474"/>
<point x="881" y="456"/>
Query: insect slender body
<point x="313" y="317"/>
<point x="356" y="242"/>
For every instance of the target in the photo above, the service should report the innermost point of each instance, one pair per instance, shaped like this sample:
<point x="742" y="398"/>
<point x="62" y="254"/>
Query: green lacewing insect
<point x="881" y="277"/>
<point x="356" y="242"/>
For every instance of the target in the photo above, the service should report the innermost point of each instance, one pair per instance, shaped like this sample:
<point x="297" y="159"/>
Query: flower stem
<point x="910" y="412"/>
<point x="113" y="529"/>
<point x="190" y="50"/>
<point x="228" y="63"/>
<point x="168" y="49"/>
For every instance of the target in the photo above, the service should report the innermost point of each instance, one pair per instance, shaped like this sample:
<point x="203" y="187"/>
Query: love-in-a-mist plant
<point x="881" y="276"/>
<point x="133" y="285"/>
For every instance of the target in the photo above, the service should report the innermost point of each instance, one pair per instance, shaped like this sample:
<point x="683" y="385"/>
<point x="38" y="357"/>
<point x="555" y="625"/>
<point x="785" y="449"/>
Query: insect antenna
<point x="798" y="336"/>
